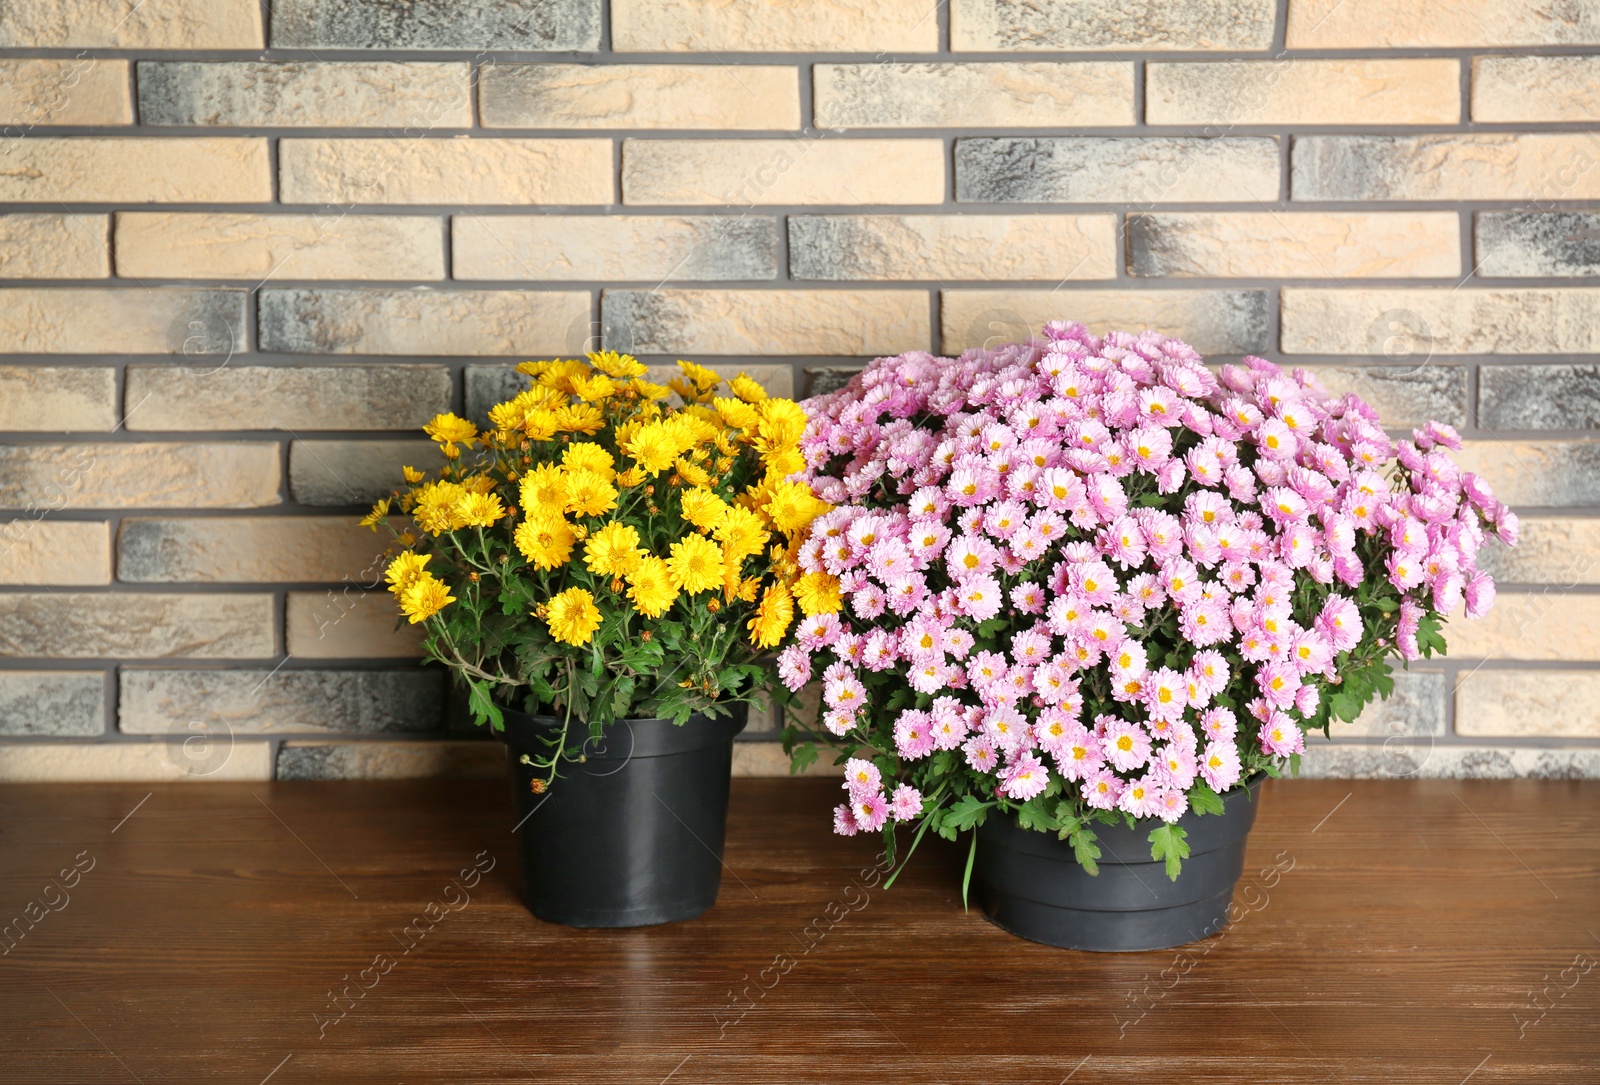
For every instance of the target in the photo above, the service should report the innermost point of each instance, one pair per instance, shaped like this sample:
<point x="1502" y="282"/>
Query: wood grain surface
<point x="1388" y="932"/>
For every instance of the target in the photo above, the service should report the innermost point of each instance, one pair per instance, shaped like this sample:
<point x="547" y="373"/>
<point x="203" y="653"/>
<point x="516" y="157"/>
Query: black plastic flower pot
<point x="1029" y="882"/>
<point x="631" y="835"/>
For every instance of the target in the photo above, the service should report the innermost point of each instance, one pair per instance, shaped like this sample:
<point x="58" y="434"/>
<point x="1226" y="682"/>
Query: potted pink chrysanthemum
<point x="1080" y="596"/>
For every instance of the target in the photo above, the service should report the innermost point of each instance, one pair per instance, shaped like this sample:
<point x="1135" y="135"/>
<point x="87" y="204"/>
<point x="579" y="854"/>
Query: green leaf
<point x="802" y="758"/>
<point x="482" y="706"/>
<point x="1033" y="815"/>
<point x="1168" y="842"/>
<point x="1203" y="800"/>
<point x="966" y="877"/>
<point x="1086" y="850"/>
<point x="966" y="813"/>
<point x="1387" y="606"/>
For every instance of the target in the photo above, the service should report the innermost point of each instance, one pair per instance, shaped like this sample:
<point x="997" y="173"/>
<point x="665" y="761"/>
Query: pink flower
<point x="906" y="803"/>
<point x="794" y="667"/>
<point x="1219" y="724"/>
<point x="1281" y="736"/>
<point x="1219" y="764"/>
<point x="1176" y="766"/>
<point x="844" y="693"/>
<point x="862" y="777"/>
<point x="981" y="753"/>
<point x="970" y="556"/>
<point x="1479" y="594"/>
<point x="1025" y="778"/>
<point x="1340" y="622"/>
<point x="1125" y="745"/>
<point x="1140" y="797"/>
<point x="1171" y="804"/>
<point x="844" y="822"/>
<point x="871" y="811"/>
<point x="979" y="597"/>
<point x="1101" y="790"/>
<point x="913" y="735"/>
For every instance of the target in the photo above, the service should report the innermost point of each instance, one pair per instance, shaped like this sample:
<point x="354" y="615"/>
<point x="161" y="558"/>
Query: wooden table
<point x="1416" y="931"/>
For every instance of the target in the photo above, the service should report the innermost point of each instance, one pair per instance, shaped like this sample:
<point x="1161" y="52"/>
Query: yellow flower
<point x="792" y="507"/>
<point x="772" y="618"/>
<point x="435" y="510"/>
<point x="588" y="456"/>
<point x="695" y="564"/>
<point x="613" y="364"/>
<point x="533" y="369"/>
<point x="447" y="429"/>
<point x="405" y="570"/>
<point x="818" y="593"/>
<point x="783" y="422"/>
<point x="613" y="550"/>
<point x="572" y="617"/>
<point x="479" y="510"/>
<point x="412" y="475"/>
<point x="559" y="376"/>
<point x="742" y="531"/>
<point x="652" y="448"/>
<point x="425" y="598"/>
<point x="747" y="389"/>
<point x="376" y="516"/>
<point x="703" y="378"/>
<point x="540" y="425"/>
<point x="648" y="390"/>
<point x="594" y="388"/>
<point x="651" y="588"/>
<point x="702" y="508"/>
<point x="689" y="430"/>
<point x="631" y="477"/>
<point x="692" y="473"/>
<point x="781" y="464"/>
<point x="508" y="416"/>
<point x="736" y="414"/>
<point x="545" y="540"/>
<point x="589" y="494"/>
<point x="580" y="418"/>
<point x="545" y="491"/>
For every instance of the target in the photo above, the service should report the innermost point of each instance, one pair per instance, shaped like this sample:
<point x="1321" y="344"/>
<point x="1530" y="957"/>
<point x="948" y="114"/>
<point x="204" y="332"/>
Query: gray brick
<point x="1416" y="707"/>
<point x="545" y="25"/>
<point x="391" y="760"/>
<point x="680" y="96"/>
<point x="296" y="93"/>
<point x="52" y="703"/>
<point x="71" y="625"/>
<point x="1539" y="397"/>
<point x="1429" y="760"/>
<point x="1543" y="474"/>
<point x="1211" y="321"/>
<point x="250" y="550"/>
<point x="1405" y="396"/>
<point x="615" y="248"/>
<point x="739" y="323"/>
<point x="822" y="379"/>
<point x="1532" y="243"/>
<point x="423" y="322"/>
<point x="1158" y="169"/>
<point x="294" y="398"/>
<point x="1004" y="248"/>
<point x="241" y="474"/>
<point x="1489" y="166"/>
<point x="1110" y="25"/>
<point x="280" y="702"/>
<point x="353" y="472"/>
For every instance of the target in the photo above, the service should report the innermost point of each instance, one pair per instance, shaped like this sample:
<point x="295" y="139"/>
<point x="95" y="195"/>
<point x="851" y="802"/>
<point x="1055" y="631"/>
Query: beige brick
<point x="91" y="90"/>
<point x="415" y="96"/>
<point x="1415" y="707"/>
<point x="135" y="169"/>
<point x="391" y="760"/>
<point x="424" y="322"/>
<point x="1112" y="25"/>
<point x="121" y="320"/>
<point x="768" y="759"/>
<point x="347" y="623"/>
<point x="64" y="625"/>
<point x="642" y="248"/>
<point x="978" y="95"/>
<point x="251" y="550"/>
<point x="1515" y="90"/>
<point x="130" y="762"/>
<point x="1211" y="321"/>
<point x="301" y="397"/>
<point x="54" y="552"/>
<point x="967" y="246"/>
<point x="1449" y="321"/>
<point x="766" y="321"/>
<point x="1529" y="704"/>
<point x="1307" y="244"/>
<point x="1293" y="90"/>
<point x="242" y="474"/>
<point x="1557" y="550"/>
<point x="752" y="172"/>
<point x="52" y="246"/>
<point x="747" y="96"/>
<point x="1544" y="625"/>
<point x="354" y="472"/>
<point x="43" y="399"/>
<point x="285" y="700"/>
<point x="1551" y="474"/>
<point x="446" y="171"/>
<point x="220" y="245"/>
<point x="1495" y="24"/>
<point x="1499" y="166"/>
<point x="152" y="24"/>
<point x="773" y="26"/>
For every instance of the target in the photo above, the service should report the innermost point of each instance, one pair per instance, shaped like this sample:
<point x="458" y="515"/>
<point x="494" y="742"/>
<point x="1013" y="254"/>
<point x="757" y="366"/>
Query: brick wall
<point x="247" y="248"/>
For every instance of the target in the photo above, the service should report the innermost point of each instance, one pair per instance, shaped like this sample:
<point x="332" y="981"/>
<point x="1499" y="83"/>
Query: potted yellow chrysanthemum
<point x="602" y="571"/>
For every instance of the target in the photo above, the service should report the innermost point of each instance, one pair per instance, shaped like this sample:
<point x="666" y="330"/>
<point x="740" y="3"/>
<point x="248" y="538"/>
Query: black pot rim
<point x="624" y="739"/>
